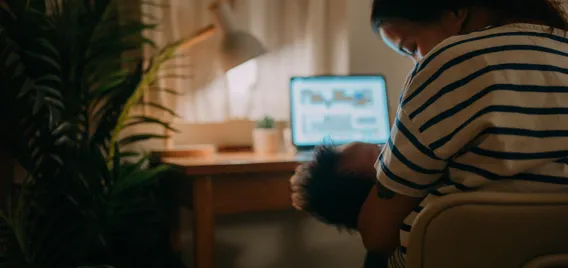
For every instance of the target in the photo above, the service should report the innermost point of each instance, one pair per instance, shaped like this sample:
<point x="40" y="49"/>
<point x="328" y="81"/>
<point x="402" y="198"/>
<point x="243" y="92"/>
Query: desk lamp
<point x="238" y="49"/>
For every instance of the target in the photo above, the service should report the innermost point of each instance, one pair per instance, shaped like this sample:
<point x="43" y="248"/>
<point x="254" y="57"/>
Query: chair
<point x="482" y="229"/>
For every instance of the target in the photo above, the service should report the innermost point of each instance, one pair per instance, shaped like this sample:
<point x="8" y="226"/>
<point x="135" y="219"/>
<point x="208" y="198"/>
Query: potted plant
<point x="68" y="90"/>
<point x="265" y="136"/>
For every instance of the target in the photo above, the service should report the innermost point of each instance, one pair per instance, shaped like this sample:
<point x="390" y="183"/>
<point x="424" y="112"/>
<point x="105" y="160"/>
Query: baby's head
<point x="334" y="186"/>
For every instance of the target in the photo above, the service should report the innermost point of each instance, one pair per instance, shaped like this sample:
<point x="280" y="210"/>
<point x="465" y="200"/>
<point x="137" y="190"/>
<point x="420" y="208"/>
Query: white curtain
<point x="301" y="36"/>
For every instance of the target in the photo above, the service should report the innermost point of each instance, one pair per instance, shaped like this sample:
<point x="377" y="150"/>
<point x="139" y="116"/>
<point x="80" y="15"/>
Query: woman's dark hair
<point x="329" y="194"/>
<point x="547" y="12"/>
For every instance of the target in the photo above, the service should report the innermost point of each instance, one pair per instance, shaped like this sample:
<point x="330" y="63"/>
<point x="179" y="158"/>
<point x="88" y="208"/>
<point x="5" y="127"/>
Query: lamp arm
<point x="200" y="36"/>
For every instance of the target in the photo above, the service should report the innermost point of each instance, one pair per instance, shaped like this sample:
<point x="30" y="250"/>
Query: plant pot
<point x="266" y="140"/>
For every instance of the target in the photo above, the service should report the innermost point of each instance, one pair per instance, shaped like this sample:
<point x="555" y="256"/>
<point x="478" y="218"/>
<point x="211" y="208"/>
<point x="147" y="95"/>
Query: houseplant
<point x="71" y="72"/>
<point x="265" y="136"/>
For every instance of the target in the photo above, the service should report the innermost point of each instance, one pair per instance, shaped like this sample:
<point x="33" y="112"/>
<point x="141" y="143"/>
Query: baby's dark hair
<point x="329" y="194"/>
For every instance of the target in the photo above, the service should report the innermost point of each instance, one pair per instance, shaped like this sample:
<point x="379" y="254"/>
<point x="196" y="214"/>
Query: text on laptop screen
<point x="339" y="109"/>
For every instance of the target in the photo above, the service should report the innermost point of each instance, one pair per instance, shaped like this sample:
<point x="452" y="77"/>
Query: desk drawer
<point x="239" y="193"/>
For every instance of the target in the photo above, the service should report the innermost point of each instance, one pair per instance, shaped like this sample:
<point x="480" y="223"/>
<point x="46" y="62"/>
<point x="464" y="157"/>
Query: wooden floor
<point x="280" y="240"/>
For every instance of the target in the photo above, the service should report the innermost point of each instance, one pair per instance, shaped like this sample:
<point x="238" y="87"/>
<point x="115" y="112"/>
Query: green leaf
<point x="47" y="45"/>
<point x="19" y="70"/>
<point x="166" y="90"/>
<point x="26" y="87"/>
<point x="62" y="128"/>
<point x="49" y="90"/>
<point x="54" y="102"/>
<point x="56" y="158"/>
<point x="116" y="163"/>
<point x="140" y="137"/>
<point x="38" y="103"/>
<point x="175" y="76"/>
<point x="112" y="82"/>
<point x="128" y="168"/>
<point x="49" y="78"/>
<point x="136" y="179"/>
<point x="45" y="59"/>
<point x="136" y="120"/>
<point x="127" y="154"/>
<point x="146" y="41"/>
<point x="160" y="108"/>
<point x="176" y="67"/>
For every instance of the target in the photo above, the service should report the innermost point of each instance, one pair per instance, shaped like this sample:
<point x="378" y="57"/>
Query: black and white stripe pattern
<point x="484" y="111"/>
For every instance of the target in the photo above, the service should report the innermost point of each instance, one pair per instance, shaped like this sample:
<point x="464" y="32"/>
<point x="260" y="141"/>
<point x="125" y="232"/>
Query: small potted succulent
<point x="265" y="136"/>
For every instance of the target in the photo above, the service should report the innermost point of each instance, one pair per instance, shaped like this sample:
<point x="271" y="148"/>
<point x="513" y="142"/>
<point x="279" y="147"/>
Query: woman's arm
<point x="380" y="220"/>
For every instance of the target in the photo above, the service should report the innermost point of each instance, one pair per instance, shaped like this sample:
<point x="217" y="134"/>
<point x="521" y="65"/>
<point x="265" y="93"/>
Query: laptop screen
<point x="338" y="110"/>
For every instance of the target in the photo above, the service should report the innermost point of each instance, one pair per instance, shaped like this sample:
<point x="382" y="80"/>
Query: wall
<point x="291" y="239"/>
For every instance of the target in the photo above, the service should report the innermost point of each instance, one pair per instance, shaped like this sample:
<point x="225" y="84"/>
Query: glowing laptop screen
<point x="338" y="109"/>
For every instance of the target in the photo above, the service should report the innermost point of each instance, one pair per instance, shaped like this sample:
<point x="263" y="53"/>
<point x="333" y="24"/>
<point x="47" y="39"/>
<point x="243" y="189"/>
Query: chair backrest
<point x="483" y="229"/>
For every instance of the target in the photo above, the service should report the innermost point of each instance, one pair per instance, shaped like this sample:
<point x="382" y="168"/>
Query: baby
<point x="334" y="186"/>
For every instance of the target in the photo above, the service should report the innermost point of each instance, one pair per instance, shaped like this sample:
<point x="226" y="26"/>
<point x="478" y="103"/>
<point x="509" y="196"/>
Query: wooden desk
<point x="232" y="183"/>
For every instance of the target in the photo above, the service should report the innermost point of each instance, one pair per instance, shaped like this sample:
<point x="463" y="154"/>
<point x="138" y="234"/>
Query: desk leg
<point x="203" y="223"/>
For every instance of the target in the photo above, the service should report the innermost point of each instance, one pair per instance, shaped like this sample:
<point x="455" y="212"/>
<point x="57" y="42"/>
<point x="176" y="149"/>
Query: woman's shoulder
<point x="451" y="54"/>
<point x="465" y="55"/>
<point x="459" y="45"/>
<point x="489" y="39"/>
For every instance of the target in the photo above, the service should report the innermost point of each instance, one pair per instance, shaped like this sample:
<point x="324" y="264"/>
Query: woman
<point x="485" y="108"/>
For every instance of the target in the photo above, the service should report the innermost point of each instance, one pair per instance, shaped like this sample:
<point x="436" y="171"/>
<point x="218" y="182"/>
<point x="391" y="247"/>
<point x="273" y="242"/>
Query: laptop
<point x="338" y="110"/>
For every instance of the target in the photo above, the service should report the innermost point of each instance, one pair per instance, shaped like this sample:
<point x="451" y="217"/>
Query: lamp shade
<point x="237" y="47"/>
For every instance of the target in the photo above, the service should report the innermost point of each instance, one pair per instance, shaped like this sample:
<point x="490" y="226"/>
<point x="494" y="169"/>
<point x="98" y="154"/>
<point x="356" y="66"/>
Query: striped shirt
<point x="487" y="111"/>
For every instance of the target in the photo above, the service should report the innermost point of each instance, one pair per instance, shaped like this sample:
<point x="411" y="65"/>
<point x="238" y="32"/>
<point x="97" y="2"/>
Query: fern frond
<point x="138" y="120"/>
